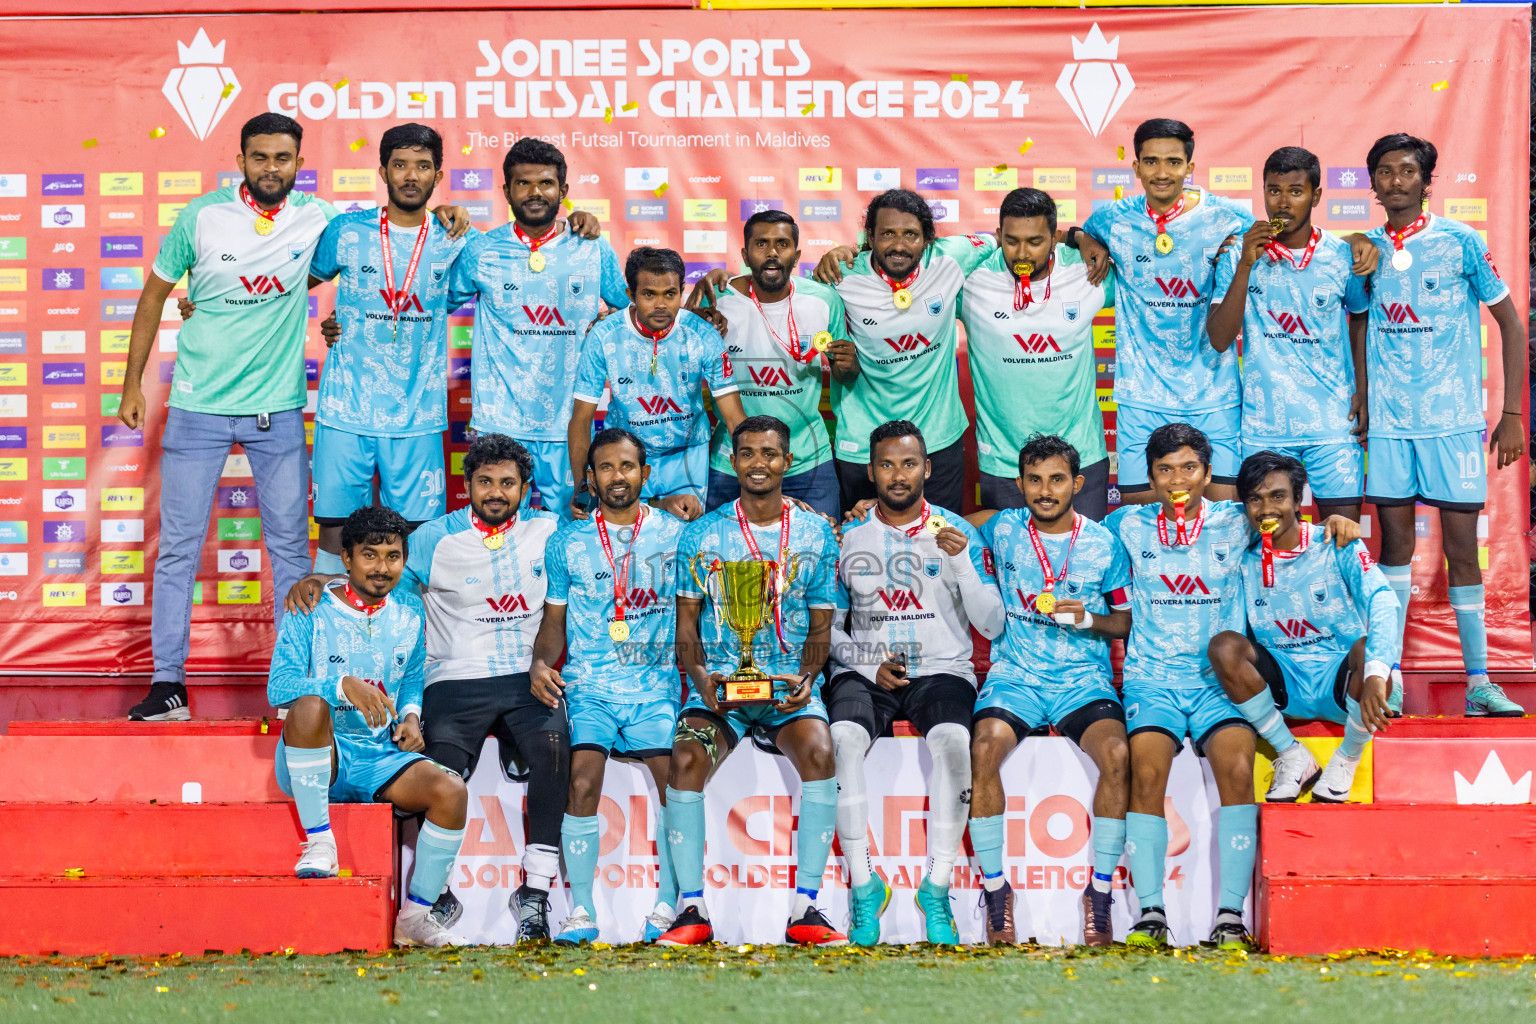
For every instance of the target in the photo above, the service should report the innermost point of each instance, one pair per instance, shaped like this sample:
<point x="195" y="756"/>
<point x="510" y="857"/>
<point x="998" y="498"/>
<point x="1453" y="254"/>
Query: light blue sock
<point x="309" y="777"/>
<point x="1400" y="579"/>
<point x="1108" y="845"/>
<point x="1261" y="713"/>
<point x="666" y="879"/>
<point x="813" y="840"/>
<point x="1356" y="735"/>
<point x="685" y="834"/>
<point x="987" y="841"/>
<point x="436" y="850"/>
<point x="327" y="563"/>
<point x="579" y="843"/>
<point x="1237" y="838"/>
<point x="1146" y="847"/>
<point x="1467" y="603"/>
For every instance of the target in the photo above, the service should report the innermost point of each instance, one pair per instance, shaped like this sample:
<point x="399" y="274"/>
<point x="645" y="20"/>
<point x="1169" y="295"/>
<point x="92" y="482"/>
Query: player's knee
<point x="308" y="722"/>
<point x="690" y="764"/>
<point x="850" y="742"/>
<point x="1147" y="778"/>
<point x="449" y="799"/>
<point x="817" y="760"/>
<point x="585" y="791"/>
<point x="949" y="740"/>
<point x="1115" y="764"/>
<point x="1227" y="650"/>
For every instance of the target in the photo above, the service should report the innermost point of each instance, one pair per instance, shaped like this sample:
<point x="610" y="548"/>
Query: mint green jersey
<point x="1033" y="369"/>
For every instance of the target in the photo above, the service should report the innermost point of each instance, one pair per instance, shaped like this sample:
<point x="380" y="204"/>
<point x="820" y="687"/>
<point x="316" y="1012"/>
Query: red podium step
<point x="1495" y="767"/>
<point x="118" y="767"/>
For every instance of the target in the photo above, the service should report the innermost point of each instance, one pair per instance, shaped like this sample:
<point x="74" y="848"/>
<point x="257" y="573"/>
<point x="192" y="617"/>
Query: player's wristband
<point x="1070" y="619"/>
<point x="1087" y="622"/>
<point x="341" y="692"/>
<point x="1378" y="668"/>
<point x="1072" y="237"/>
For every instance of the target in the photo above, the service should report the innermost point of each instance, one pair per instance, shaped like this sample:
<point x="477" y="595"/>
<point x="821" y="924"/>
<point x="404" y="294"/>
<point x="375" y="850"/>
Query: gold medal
<point x="1402" y="260"/>
<point x="935" y="524"/>
<point x="535" y="261"/>
<point x="618" y="631"/>
<point x="1164" y="243"/>
<point x="1023" y="268"/>
<point x="821" y="341"/>
<point x="902" y="298"/>
<point x="1277" y="224"/>
<point x="1269" y="524"/>
<point x="494" y="541"/>
<point x="264" y="225"/>
<point x="1045" y="603"/>
<point x="1179" y="497"/>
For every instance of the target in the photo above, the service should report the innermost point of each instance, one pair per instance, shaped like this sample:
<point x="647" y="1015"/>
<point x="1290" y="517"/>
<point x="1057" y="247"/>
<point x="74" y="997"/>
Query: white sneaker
<point x="1295" y="770"/>
<point x="658" y="922"/>
<point x="415" y="926"/>
<point x="1337" y="779"/>
<point x="319" y="857"/>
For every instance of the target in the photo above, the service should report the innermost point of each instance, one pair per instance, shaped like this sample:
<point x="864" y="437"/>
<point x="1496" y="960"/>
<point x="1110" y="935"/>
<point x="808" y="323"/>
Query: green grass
<point x="745" y="983"/>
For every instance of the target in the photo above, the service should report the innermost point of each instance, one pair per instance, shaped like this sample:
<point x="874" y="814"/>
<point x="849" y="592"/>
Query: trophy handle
<point x="693" y="570"/>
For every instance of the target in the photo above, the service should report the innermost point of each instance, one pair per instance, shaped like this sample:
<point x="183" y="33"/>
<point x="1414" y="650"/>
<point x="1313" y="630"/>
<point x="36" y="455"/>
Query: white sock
<point x="949" y="787"/>
<point x="696" y="902"/>
<point x="993" y="884"/>
<point x="849" y="745"/>
<point x="801" y="905"/>
<point x="541" y="864"/>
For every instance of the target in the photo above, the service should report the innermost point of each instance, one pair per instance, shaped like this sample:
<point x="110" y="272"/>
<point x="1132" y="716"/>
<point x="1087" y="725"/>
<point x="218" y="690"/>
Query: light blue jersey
<point x="642" y="668"/>
<point x="387" y="649"/>
<point x="1324" y="599"/>
<point x="717" y="536"/>
<point x="529" y="326"/>
<point x="1163" y="355"/>
<point x="1036" y="649"/>
<point x="1183" y="594"/>
<point x="1298" y="372"/>
<point x="377" y="380"/>
<point x="1424" y="353"/>
<point x="664" y="409"/>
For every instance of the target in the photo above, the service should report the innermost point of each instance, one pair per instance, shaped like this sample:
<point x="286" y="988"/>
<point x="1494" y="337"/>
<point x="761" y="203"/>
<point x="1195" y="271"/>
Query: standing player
<point x="350" y="676"/>
<point x="1424" y="364"/>
<point x="912" y="581"/>
<point x="611" y="604"/>
<point x="1028" y="311"/>
<point x="1290" y="295"/>
<point x="1064" y="581"/>
<point x="1323" y="623"/>
<point x="656" y="388"/>
<point x="900" y="296"/>
<point x="383" y="402"/>
<point x="538" y="282"/>
<point x="761" y="525"/>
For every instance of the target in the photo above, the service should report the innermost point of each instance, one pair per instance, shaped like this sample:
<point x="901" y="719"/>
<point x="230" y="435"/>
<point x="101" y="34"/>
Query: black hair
<point x="375" y="524"/>
<point x="902" y="201"/>
<point x="613" y="435"/>
<point x="769" y="217"/>
<point x="653" y="261"/>
<point x="411" y="136"/>
<point x="1250" y="476"/>
<point x="1040" y="447"/>
<point x="1028" y="202"/>
<point x="271" y="124"/>
<point x="761" y="425"/>
<point x="533" y="151"/>
<point x="1422" y="149"/>
<point x="892" y="429"/>
<point x="490" y="449"/>
<point x="1170" y="437"/>
<point x="1164" y="128"/>
<point x="1290" y="159"/>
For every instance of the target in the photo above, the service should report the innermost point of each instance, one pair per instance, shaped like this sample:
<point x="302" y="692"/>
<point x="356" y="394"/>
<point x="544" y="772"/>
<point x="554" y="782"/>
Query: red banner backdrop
<point x="117" y="123"/>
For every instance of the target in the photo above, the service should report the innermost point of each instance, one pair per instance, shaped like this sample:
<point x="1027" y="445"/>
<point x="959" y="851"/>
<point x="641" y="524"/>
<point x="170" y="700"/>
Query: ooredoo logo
<point x="1095" y="85"/>
<point x="200" y="90"/>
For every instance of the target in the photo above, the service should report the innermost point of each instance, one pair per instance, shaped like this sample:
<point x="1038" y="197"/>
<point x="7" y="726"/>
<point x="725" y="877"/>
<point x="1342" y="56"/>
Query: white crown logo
<point x="1095" y="47"/>
<point x="200" y="90"/>
<point x="204" y="52"/>
<point x="1096" y="86"/>
<point x="1493" y="785"/>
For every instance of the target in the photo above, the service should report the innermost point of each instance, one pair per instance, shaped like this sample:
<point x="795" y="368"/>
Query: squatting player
<point x="1064" y="581"/>
<point x="1423" y="357"/>
<point x="656" y="359"/>
<point x="762" y="525"/>
<point x="911" y="582"/>
<point x="611" y="609"/>
<point x="1324" y="625"/>
<point x="350" y="674"/>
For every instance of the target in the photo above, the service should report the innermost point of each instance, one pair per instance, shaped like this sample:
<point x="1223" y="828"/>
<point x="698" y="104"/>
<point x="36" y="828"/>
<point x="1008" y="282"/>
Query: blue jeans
<point x="192" y="457"/>
<point x="816" y="487"/>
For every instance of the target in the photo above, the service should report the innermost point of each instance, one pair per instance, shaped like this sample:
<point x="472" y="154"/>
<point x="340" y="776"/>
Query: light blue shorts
<point x="1335" y="471"/>
<point x="683" y="471"/>
<point x="1006" y="696"/>
<point x="1447" y="472"/>
<point x="1222" y="427"/>
<point x="1311" y="689"/>
<point x="623" y="730"/>
<point x="365" y="767"/>
<point x="761" y="722"/>
<point x="1196" y="712"/>
<point x="410" y="469"/>
<point x="552" y="487"/>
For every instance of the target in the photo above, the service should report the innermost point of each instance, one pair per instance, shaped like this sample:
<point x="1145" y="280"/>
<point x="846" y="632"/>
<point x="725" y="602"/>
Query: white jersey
<point x="483" y="607"/>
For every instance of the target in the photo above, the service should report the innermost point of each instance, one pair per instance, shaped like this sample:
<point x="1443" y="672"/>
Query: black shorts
<point x="1269" y="670"/>
<point x="458" y="714"/>
<point x="1072" y="726"/>
<point x="926" y="701"/>
<point x="764" y="737"/>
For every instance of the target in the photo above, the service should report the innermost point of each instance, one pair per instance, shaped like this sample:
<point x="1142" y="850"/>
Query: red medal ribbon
<point x="1045" y="560"/>
<point x="1162" y="219"/>
<point x="793" y="348"/>
<point x="896" y="286"/>
<point x="350" y="596"/>
<point x="620" y="576"/>
<point x="487" y="530"/>
<point x="271" y="215"/>
<point x="1267" y="558"/>
<point x="1023" y="294"/>
<point x="1178" y="511"/>
<point x="398" y="300"/>
<point x="777" y="568"/>
<point x="910" y="531"/>
<point x="534" y="243"/>
<point x="1398" y="237"/>
<point x="1278" y="252"/>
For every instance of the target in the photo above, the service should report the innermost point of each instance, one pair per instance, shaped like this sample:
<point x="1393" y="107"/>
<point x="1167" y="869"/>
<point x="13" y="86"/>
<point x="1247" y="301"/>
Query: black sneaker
<point x="1229" y="932"/>
<point x="531" y="908"/>
<point x="447" y="910"/>
<point x="813" y="929"/>
<point x="167" y="702"/>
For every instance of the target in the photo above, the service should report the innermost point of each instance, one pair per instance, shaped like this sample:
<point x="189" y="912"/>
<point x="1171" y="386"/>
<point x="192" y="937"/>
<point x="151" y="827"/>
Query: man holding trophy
<point x="755" y="597"/>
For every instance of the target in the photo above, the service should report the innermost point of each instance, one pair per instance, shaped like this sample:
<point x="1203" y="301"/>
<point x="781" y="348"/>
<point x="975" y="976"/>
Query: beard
<point x="902" y="504"/>
<point x="410" y="206"/>
<point x="266" y="196"/>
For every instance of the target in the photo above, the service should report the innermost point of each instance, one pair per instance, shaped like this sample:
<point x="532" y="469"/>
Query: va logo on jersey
<point x="261" y="284"/>
<point x="641" y="598"/>
<point x="543" y="316"/>
<point x="908" y="342"/>
<point x="1178" y="287"/>
<point x="658" y="404"/>
<point x="899" y="600"/>
<point x="1290" y="323"/>
<point x="1397" y="312"/>
<point x="931" y="568"/>
<point x="1185" y="585"/>
<point x="1296" y="628"/>
<point x="769" y="376"/>
<point x="1429" y="281"/>
<point x="506" y="604"/>
<point x="1037" y="343"/>
<point x="401" y="301"/>
<point x="1070" y="311"/>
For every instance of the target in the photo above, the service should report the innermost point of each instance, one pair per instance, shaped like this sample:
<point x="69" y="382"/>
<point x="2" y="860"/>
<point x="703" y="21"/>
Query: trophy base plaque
<point x="746" y="689"/>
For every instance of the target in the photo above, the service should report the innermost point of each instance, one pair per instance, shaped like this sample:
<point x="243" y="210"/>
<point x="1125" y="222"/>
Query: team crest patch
<point x="1320" y="595"/>
<point x="439" y="271"/>
<point x="577" y="284"/>
<point x="1074" y="585"/>
<point x="537" y="568"/>
<point x="1320" y="297"/>
<point x="1220" y="552"/>
<point x="935" y="306"/>
<point x="1429" y="281"/>
<point x="296" y="252"/>
<point x="931" y="568"/>
<point x="400" y="654"/>
<point x="1070" y="311"/>
<point x="1211" y="252"/>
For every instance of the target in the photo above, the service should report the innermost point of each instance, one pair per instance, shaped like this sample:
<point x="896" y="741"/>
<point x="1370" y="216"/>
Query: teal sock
<point x="813" y="840"/>
<point x="1356" y="735"/>
<point x="1400" y="579"/>
<point x="1467" y="603"/>
<point x="327" y="563"/>
<point x="579" y="842"/>
<point x="1261" y="713"/>
<point x="666" y="879"/>
<point x="1108" y="845"/>
<point x="685" y="834"/>
<point x="1146" y="847"/>
<point x="436" y="850"/>
<point x="1237" y="838"/>
<point x="309" y="777"/>
<point x="987" y="841"/>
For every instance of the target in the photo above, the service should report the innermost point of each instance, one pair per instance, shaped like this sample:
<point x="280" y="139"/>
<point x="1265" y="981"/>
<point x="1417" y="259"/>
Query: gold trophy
<point x="744" y="595"/>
